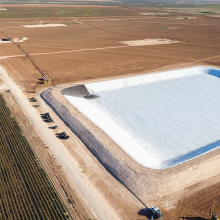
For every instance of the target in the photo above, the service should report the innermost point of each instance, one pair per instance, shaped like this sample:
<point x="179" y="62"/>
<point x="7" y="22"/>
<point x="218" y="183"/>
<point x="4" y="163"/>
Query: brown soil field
<point x="199" y="43"/>
<point x="91" y="51"/>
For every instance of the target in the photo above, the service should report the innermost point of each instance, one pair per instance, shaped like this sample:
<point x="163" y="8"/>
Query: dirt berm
<point x="150" y="186"/>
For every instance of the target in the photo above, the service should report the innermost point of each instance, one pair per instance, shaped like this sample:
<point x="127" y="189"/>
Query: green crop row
<point x="25" y="189"/>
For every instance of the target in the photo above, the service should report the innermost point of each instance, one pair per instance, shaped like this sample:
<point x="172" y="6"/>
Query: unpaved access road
<point x="97" y="204"/>
<point x="66" y="51"/>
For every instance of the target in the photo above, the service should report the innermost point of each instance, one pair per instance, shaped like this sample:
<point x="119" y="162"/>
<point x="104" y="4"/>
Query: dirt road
<point x="66" y="51"/>
<point x="100" y="208"/>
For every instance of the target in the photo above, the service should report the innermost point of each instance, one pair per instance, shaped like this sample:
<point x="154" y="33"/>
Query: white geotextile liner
<point x="160" y="119"/>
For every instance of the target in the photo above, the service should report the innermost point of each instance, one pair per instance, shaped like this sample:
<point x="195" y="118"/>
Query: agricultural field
<point x="191" y="10"/>
<point x="48" y="12"/>
<point x="67" y="53"/>
<point x="83" y="44"/>
<point x="26" y="192"/>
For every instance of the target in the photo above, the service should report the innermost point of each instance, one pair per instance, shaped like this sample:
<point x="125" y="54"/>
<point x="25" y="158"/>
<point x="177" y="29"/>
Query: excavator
<point x="46" y="80"/>
<point x="214" y="216"/>
<point x="155" y="213"/>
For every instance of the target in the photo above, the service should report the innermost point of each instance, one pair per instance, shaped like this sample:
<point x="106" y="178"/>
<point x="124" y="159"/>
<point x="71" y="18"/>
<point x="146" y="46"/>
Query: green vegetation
<point x="123" y="8"/>
<point x="25" y="190"/>
<point x="40" y="12"/>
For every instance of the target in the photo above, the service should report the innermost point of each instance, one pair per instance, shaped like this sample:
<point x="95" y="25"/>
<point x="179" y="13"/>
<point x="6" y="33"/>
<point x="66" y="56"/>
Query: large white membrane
<point x="160" y="119"/>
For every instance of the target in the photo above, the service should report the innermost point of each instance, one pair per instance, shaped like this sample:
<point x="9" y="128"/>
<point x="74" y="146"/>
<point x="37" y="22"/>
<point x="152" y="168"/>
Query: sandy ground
<point x="83" y="63"/>
<point x="214" y="16"/>
<point x="5" y="42"/>
<point x="70" y="59"/>
<point x="146" y="42"/>
<point x="164" y="13"/>
<point x="147" y="13"/>
<point x="43" y="25"/>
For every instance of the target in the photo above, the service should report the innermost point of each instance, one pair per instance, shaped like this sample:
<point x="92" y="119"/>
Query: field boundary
<point x="35" y="147"/>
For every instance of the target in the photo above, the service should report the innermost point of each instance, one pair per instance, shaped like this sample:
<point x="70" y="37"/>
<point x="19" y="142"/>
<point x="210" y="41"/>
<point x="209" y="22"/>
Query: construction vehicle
<point x="38" y="105"/>
<point x="46" y="80"/>
<point x="33" y="99"/>
<point x="49" y="119"/>
<point x="214" y="216"/>
<point x="63" y="134"/>
<point x="155" y="213"/>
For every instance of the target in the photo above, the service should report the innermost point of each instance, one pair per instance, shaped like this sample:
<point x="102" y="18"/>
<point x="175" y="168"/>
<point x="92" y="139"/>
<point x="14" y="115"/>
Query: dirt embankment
<point x="103" y="184"/>
<point x="163" y="187"/>
<point x="114" y="165"/>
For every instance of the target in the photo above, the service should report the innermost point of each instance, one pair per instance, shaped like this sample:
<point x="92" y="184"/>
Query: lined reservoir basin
<point x="160" y="120"/>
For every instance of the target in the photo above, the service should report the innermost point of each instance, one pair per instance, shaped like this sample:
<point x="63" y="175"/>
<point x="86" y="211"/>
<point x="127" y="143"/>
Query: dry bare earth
<point x="199" y="45"/>
<point x="199" y="40"/>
